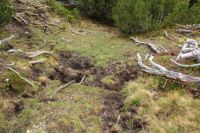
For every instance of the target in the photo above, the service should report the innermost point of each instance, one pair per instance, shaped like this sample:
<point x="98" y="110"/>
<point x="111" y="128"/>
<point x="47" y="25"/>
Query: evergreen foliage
<point x="6" y="11"/>
<point x="137" y="16"/>
<point x="100" y="9"/>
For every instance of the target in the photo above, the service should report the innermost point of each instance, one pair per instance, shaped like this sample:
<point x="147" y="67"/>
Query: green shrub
<point x="59" y="8"/>
<point x="136" y="16"/>
<point x="6" y="11"/>
<point x="100" y="9"/>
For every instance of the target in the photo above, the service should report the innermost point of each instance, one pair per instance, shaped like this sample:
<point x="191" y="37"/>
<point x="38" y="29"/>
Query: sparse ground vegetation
<point x="109" y="92"/>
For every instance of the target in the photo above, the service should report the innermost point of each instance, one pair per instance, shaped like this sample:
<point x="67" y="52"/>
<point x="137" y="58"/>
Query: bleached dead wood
<point x="23" y="78"/>
<point x="6" y="40"/>
<point x="184" y="31"/>
<point x="162" y="71"/>
<point x="60" y="88"/>
<point x="152" y="46"/>
<point x="20" y="18"/>
<point x="185" y="65"/>
<point x="79" y="32"/>
<point x="167" y="35"/>
<point x="38" y="53"/>
<point x="189" y="49"/>
<point x="11" y="51"/>
<point x="82" y="80"/>
<point x="37" y="62"/>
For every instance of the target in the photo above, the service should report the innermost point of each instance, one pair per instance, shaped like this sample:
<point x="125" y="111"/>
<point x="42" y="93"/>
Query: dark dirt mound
<point x="120" y="74"/>
<point x="71" y="67"/>
<point x="112" y="104"/>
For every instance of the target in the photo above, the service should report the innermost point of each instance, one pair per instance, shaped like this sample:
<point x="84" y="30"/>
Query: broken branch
<point x="38" y="53"/>
<point x="152" y="46"/>
<point x="184" y="65"/>
<point x="60" y="88"/>
<point x="26" y="80"/>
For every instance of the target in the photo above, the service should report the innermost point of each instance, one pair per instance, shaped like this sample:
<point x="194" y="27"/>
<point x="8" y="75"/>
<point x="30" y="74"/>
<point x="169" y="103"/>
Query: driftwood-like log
<point x="60" y="88"/>
<point x="162" y="71"/>
<point x="155" y="48"/>
<point x="38" y="53"/>
<point x="6" y="40"/>
<point x="23" y="78"/>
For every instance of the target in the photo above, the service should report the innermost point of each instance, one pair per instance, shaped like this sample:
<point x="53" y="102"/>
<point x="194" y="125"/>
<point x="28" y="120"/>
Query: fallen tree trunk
<point x="162" y="71"/>
<point x="153" y="47"/>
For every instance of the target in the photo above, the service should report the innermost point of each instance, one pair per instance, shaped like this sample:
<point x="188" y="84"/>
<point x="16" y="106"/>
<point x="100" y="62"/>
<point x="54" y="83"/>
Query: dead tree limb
<point x="184" y="65"/>
<point x="184" y="31"/>
<point x="26" y="80"/>
<point x="82" y="80"/>
<point x="20" y="19"/>
<point x="152" y="46"/>
<point x="37" y="62"/>
<point x="162" y="71"/>
<point x="6" y="40"/>
<point x="60" y="88"/>
<point x="38" y="53"/>
<point x="167" y="35"/>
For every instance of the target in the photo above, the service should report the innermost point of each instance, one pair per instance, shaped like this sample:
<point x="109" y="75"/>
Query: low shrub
<point x="59" y="8"/>
<point x="137" y="16"/>
<point x="100" y="9"/>
<point x="6" y="11"/>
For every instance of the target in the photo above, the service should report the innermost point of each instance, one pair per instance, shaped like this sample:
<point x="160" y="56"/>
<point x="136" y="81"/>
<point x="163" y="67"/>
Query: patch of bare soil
<point x="71" y="67"/>
<point x="112" y="104"/>
<point x="195" y="92"/>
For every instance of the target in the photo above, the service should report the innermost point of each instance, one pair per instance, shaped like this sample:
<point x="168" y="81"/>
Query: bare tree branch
<point x="184" y="65"/>
<point x="38" y="53"/>
<point x="60" y="88"/>
<point x="152" y="46"/>
<point x="26" y="80"/>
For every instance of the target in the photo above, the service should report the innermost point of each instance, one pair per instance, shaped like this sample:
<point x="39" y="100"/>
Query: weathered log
<point x="162" y="71"/>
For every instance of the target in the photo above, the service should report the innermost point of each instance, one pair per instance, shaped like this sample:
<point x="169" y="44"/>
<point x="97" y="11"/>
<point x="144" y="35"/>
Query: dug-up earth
<point x="108" y="91"/>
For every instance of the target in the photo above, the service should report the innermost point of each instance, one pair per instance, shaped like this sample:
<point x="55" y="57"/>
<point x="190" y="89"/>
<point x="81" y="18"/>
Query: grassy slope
<point x="170" y="109"/>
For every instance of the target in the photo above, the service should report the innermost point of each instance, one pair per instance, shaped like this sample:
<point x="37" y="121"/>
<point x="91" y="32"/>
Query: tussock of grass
<point x="172" y="111"/>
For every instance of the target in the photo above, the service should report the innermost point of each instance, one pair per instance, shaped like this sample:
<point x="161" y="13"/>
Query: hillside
<point x="83" y="77"/>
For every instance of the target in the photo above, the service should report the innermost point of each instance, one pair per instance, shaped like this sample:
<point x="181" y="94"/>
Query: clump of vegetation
<point x="6" y="11"/>
<point x="100" y="9"/>
<point x="136" y="16"/>
<point x="62" y="11"/>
